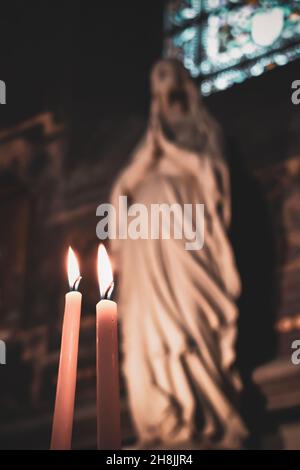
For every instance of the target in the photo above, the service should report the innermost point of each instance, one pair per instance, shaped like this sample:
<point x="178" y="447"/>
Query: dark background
<point x="88" y="59"/>
<point x="87" y="63"/>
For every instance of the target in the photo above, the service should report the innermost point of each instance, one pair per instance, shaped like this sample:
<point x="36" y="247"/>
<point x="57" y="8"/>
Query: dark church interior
<point x="77" y="103"/>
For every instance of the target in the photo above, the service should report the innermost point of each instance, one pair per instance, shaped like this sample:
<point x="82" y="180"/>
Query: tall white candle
<point x="67" y="372"/>
<point x="108" y="391"/>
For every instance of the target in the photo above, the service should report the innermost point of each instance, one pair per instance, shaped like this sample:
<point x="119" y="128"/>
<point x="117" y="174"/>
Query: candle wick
<point x="108" y="292"/>
<point x="76" y="284"/>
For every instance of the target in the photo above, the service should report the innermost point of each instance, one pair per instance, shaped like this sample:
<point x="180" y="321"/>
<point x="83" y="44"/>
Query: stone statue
<point x="178" y="307"/>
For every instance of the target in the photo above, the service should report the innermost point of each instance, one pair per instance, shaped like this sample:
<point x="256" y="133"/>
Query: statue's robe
<point x="177" y="307"/>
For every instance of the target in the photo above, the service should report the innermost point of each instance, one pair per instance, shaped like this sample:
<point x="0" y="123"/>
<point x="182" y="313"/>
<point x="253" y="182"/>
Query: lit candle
<point x="67" y="372"/>
<point x="108" y="395"/>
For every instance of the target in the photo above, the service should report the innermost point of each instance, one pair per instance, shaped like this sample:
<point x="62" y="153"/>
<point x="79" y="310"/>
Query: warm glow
<point x="73" y="270"/>
<point x="105" y="275"/>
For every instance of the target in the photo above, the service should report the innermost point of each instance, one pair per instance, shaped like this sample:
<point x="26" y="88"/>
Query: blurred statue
<point x="177" y="307"/>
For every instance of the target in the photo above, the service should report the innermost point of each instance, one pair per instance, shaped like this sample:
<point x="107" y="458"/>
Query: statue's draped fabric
<point x="177" y="307"/>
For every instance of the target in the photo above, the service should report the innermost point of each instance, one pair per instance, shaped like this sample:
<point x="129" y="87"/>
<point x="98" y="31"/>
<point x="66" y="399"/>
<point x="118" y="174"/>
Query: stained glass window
<point x="223" y="42"/>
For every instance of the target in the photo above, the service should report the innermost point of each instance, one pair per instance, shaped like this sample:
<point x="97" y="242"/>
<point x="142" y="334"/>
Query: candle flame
<point x="73" y="270"/>
<point x="105" y="275"/>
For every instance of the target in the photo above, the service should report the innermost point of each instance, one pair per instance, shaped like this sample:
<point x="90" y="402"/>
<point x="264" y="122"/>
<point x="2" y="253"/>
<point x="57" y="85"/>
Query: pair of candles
<point x="108" y="400"/>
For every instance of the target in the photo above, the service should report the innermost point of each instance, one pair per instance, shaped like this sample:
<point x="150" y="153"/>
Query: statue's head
<point x="168" y="75"/>
<point x="171" y="84"/>
<point x="177" y="102"/>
